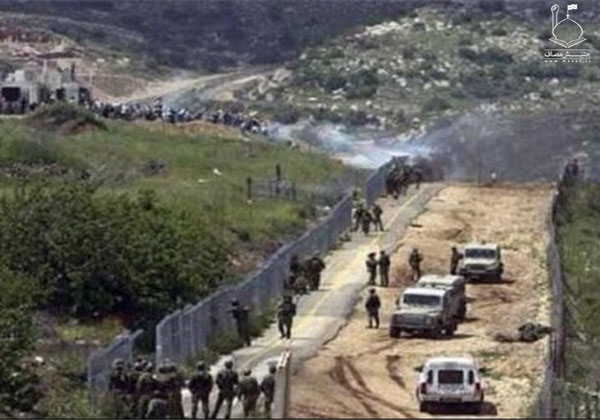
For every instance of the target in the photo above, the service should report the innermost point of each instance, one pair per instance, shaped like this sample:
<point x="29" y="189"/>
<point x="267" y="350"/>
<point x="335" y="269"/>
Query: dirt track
<point x="365" y="373"/>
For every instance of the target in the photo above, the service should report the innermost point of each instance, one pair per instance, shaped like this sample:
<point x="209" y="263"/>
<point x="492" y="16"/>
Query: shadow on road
<point x="487" y="409"/>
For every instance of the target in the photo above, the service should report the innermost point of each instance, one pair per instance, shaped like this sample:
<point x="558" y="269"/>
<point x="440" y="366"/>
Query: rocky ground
<point x="365" y="373"/>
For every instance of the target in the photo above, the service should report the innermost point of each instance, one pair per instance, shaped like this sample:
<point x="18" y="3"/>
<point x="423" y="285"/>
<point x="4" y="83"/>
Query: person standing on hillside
<point x="367" y="219"/>
<point x="201" y="383"/>
<point x="314" y="268"/>
<point x="384" y="269"/>
<point x="372" y="306"/>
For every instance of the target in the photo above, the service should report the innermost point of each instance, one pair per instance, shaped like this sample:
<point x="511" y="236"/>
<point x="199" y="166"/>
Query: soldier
<point x="267" y="386"/>
<point x="248" y="393"/>
<point x="455" y="257"/>
<point x="227" y="382"/>
<point x="384" y="269"/>
<point x="315" y="266"/>
<point x="295" y="266"/>
<point x="157" y="407"/>
<point x="241" y="316"/>
<point x="414" y="261"/>
<point x="366" y="221"/>
<point x="119" y="388"/>
<point x="371" y="268"/>
<point x="145" y="388"/>
<point x="372" y="306"/>
<point x="201" y="383"/>
<point x="285" y="316"/>
<point x="358" y="216"/>
<point x="377" y="212"/>
<point x="176" y="382"/>
<point x="132" y="377"/>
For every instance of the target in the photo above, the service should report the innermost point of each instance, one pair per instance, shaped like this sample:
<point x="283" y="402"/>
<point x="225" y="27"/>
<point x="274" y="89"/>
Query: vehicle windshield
<point x="421" y="300"/>
<point x="480" y="253"/>
<point x="450" y="377"/>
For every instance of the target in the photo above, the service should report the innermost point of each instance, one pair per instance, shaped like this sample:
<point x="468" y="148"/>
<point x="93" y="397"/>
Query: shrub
<point x="435" y="104"/>
<point x="408" y="53"/>
<point x="286" y="114"/>
<point x="499" y="32"/>
<point x="98" y="255"/>
<point x="465" y="41"/>
<point x="61" y="113"/>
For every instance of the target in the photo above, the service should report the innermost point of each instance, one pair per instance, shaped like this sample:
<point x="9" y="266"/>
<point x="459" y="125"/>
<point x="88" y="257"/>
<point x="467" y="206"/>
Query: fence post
<point x="249" y="188"/>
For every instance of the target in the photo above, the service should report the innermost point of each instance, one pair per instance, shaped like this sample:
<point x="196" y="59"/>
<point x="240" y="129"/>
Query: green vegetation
<point x="579" y="242"/>
<point x="110" y="225"/>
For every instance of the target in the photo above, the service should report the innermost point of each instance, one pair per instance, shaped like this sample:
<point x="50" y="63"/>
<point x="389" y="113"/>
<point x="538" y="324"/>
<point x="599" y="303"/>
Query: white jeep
<point x="450" y="380"/>
<point x="481" y="261"/>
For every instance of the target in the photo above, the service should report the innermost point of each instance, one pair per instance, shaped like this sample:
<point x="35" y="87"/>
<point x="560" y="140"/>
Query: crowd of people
<point x="400" y="177"/>
<point x="173" y="115"/>
<point x="138" y="391"/>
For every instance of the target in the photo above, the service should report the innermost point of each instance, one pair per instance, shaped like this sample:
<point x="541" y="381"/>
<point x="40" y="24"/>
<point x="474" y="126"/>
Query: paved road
<point x="322" y="314"/>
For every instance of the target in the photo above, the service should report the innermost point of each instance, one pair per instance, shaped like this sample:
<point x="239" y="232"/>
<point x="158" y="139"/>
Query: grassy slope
<point x="119" y="153"/>
<point x="579" y="236"/>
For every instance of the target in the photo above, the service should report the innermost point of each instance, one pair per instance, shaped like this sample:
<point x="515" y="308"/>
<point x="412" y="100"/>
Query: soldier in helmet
<point x="371" y="268"/>
<point x="314" y="267"/>
<point x="201" y="383"/>
<point x="455" y="258"/>
<point x="267" y="386"/>
<point x="227" y="381"/>
<point x="358" y="215"/>
<point x="241" y="316"/>
<point x="145" y="388"/>
<point x="132" y="377"/>
<point x="377" y="212"/>
<point x="384" y="264"/>
<point x="372" y="306"/>
<point x="366" y="220"/>
<point x="119" y="387"/>
<point x="175" y="382"/>
<point x="248" y="393"/>
<point x="285" y="316"/>
<point x="414" y="261"/>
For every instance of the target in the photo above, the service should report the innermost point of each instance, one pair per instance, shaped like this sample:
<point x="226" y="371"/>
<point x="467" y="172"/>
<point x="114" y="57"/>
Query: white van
<point x="450" y="380"/>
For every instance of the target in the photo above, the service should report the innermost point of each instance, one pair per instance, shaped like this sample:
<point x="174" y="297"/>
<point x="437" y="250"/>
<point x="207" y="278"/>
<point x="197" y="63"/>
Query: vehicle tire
<point x="395" y="332"/>
<point x="449" y="330"/>
<point x="423" y="407"/>
<point x="476" y="408"/>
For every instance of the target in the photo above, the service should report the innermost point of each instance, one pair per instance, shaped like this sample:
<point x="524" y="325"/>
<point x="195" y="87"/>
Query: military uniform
<point x="132" y="377"/>
<point x="157" y="407"/>
<point x="315" y="266"/>
<point x="372" y="306"/>
<point x="366" y="221"/>
<point x="359" y="212"/>
<point x="145" y="388"/>
<point x="201" y="383"/>
<point x="377" y="212"/>
<point x="414" y="261"/>
<point x="384" y="264"/>
<point x="285" y="317"/>
<point x="119" y="387"/>
<point x="248" y="392"/>
<point x="455" y="258"/>
<point x="267" y="386"/>
<point x="227" y="381"/>
<point x="372" y="268"/>
<point x="241" y="315"/>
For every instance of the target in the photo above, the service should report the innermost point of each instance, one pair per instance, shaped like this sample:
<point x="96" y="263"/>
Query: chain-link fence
<point x="184" y="334"/>
<point x="100" y="361"/>
<point x="283" y="189"/>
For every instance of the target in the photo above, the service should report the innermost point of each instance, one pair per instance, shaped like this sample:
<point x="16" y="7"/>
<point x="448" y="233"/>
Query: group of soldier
<point x="382" y="265"/>
<point x="305" y="276"/>
<point x="139" y="392"/>
<point x="400" y="177"/>
<point x="365" y="217"/>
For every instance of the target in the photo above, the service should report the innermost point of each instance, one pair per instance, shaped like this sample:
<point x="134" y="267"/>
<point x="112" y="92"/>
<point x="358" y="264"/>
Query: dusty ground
<point x="365" y="373"/>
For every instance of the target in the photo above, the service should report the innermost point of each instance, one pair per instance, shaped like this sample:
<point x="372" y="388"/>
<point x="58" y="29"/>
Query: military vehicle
<point x="450" y="380"/>
<point x="456" y="285"/>
<point x="481" y="262"/>
<point x="425" y="310"/>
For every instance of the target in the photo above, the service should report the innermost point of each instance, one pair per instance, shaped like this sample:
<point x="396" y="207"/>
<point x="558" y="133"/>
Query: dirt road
<point x="321" y="314"/>
<point x="365" y="373"/>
